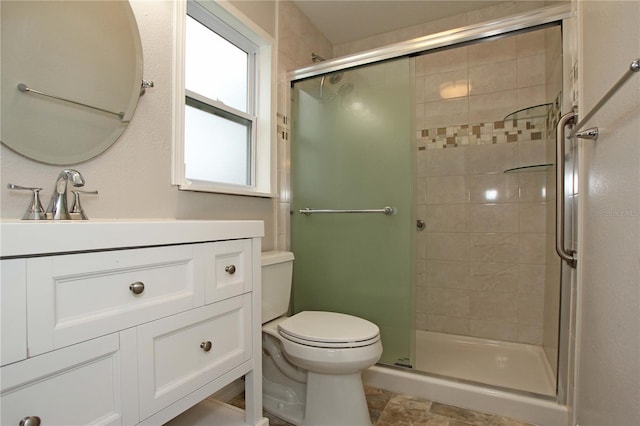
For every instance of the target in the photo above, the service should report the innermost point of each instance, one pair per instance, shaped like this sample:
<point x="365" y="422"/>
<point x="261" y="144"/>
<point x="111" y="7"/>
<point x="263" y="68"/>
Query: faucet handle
<point x="35" y="211"/>
<point x="76" y="209"/>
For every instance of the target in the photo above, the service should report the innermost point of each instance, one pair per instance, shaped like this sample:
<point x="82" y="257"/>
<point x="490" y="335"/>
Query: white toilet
<point x="312" y="361"/>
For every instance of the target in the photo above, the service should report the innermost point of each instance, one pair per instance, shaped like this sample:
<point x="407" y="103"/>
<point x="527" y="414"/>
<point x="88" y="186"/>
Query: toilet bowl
<point x="312" y="361"/>
<point x="329" y="342"/>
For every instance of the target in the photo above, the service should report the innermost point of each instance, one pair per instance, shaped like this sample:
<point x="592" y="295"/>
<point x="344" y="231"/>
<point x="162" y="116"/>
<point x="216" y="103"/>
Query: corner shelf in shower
<point x="529" y="112"/>
<point x="535" y="111"/>
<point x="531" y="168"/>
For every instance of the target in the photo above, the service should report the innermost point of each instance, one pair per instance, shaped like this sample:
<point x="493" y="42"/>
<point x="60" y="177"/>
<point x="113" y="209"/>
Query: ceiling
<point x="349" y="20"/>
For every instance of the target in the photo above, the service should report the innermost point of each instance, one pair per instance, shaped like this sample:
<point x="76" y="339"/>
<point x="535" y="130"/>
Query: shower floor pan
<point x="493" y="362"/>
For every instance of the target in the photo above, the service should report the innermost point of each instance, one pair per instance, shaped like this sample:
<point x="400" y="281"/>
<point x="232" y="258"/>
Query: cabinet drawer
<point x="13" y="311"/>
<point x="174" y="357"/>
<point x="77" y="385"/>
<point x="74" y="298"/>
<point x="227" y="269"/>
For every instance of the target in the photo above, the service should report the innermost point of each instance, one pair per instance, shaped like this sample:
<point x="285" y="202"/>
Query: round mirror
<point x="71" y="77"/>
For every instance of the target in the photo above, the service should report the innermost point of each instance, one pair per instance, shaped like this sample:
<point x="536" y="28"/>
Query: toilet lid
<point x="329" y="330"/>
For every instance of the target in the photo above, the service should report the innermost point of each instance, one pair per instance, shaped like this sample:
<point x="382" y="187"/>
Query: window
<point x="223" y="102"/>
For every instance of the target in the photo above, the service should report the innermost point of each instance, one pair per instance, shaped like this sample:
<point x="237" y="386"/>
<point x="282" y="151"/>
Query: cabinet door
<point x="73" y="298"/>
<point x="77" y="385"/>
<point x="227" y="269"/>
<point x="179" y="354"/>
<point x="13" y="311"/>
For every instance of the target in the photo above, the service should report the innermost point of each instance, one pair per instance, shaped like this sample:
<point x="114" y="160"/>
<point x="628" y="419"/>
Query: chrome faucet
<point x="57" y="209"/>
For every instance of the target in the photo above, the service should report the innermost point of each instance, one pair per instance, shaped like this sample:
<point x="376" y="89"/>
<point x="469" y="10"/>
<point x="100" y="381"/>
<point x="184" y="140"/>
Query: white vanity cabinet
<point x="76" y="297"/>
<point x="71" y="386"/>
<point x="123" y="332"/>
<point x="180" y="354"/>
<point x="13" y="311"/>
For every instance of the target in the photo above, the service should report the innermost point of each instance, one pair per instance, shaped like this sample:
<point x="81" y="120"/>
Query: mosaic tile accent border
<point x="496" y="132"/>
<point x="282" y="126"/>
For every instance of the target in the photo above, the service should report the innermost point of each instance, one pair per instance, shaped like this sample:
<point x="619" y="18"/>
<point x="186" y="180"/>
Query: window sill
<point x="226" y="189"/>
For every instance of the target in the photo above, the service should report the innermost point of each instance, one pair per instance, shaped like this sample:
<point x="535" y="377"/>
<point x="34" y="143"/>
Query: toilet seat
<point x="329" y="330"/>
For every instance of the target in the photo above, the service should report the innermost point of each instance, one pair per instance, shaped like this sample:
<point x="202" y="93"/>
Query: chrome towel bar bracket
<point x="146" y="84"/>
<point x="592" y="133"/>
<point x="26" y="89"/>
<point x="385" y="210"/>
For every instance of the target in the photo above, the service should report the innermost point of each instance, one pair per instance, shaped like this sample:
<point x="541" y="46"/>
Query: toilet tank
<point x="277" y="272"/>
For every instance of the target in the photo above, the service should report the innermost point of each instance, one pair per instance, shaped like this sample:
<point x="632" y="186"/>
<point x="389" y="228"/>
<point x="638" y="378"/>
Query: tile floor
<point x="392" y="409"/>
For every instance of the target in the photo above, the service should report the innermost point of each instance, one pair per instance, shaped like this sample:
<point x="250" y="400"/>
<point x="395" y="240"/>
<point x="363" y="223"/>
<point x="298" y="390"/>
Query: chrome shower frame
<point x="449" y="38"/>
<point x="540" y="409"/>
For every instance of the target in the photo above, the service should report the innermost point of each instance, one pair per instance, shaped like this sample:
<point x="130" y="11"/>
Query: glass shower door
<point x="351" y="149"/>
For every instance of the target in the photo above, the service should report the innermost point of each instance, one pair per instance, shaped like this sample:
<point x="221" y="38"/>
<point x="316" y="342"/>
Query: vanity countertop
<point x="28" y="238"/>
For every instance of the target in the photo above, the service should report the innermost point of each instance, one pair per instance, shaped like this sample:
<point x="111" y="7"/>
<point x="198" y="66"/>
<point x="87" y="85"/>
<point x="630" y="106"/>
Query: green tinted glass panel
<point x="351" y="149"/>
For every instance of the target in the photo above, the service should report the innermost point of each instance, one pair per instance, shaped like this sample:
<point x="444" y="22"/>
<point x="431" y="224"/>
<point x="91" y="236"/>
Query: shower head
<point x="343" y="91"/>
<point x="316" y="58"/>
<point x="336" y="77"/>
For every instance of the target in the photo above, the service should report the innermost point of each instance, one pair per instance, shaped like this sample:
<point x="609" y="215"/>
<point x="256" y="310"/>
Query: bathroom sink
<point x="28" y="238"/>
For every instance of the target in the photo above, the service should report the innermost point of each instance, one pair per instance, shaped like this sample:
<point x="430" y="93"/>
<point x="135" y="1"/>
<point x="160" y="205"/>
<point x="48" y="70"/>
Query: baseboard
<point x="229" y="392"/>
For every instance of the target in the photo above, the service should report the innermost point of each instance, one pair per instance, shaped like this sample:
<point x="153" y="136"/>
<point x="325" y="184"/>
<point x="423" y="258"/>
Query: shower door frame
<point x="562" y="14"/>
<point x="449" y="38"/>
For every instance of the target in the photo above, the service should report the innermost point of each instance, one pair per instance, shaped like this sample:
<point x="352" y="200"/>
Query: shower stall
<point x="423" y="199"/>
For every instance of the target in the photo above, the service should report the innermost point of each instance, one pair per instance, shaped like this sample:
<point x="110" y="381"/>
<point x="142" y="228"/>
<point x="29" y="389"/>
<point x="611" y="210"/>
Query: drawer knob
<point x="30" y="421"/>
<point x="137" y="287"/>
<point x="231" y="269"/>
<point x="206" y="346"/>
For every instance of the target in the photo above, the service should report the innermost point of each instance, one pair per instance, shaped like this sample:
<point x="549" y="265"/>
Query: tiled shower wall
<point x="489" y="279"/>
<point x="481" y="258"/>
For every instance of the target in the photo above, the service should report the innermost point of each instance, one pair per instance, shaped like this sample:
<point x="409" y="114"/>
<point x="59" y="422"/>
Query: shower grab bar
<point x="386" y="210"/>
<point x="592" y="133"/>
<point x="24" y="89"/>
<point x="568" y="255"/>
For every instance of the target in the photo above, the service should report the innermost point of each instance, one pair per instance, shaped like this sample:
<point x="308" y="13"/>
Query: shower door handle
<point x="568" y="255"/>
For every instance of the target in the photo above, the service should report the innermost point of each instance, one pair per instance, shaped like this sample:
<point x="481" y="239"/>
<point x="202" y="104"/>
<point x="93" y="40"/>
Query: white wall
<point x="608" y="373"/>
<point x="134" y="175"/>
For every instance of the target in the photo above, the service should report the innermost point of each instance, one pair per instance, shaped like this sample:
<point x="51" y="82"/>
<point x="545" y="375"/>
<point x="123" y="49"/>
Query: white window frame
<point x="263" y="147"/>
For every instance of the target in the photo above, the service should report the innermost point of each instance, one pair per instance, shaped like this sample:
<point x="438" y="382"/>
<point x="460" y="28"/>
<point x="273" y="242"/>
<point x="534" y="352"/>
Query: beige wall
<point x="262" y="13"/>
<point x="134" y="175"/>
<point x="608" y="374"/>
<point x="488" y="13"/>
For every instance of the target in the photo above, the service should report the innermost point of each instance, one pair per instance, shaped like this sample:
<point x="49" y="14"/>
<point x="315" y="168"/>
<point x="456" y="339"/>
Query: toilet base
<point x="331" y="400"/>
<point x="304" y="396"/>
<point x="336" y="400"/>
<point x="281" y="401"/>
